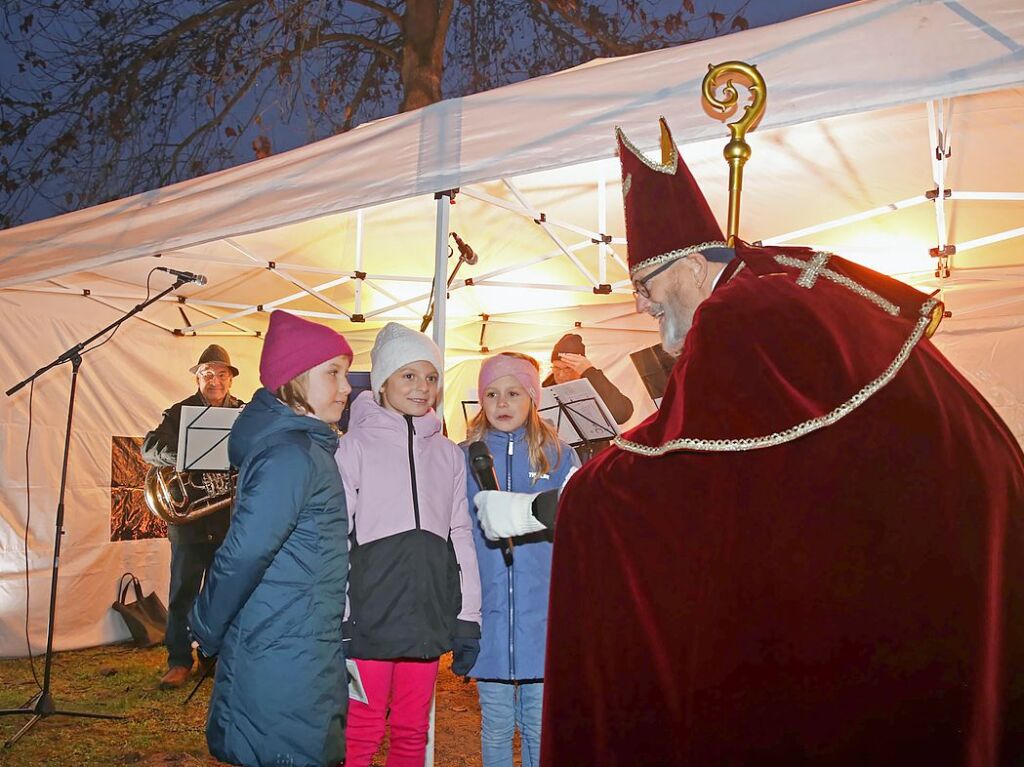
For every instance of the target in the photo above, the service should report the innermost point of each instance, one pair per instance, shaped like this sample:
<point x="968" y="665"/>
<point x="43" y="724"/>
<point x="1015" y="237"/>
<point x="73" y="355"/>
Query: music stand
<point x="203" y="438"/>
<point x="654" y="365"/>
<point x="41" y="705"/>
<point x="470" y="407"/>
<point x="578" y="413"/>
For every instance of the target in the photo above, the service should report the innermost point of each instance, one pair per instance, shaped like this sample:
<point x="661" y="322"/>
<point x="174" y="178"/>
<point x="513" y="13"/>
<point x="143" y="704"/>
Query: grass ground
<point x="158" y="730"/>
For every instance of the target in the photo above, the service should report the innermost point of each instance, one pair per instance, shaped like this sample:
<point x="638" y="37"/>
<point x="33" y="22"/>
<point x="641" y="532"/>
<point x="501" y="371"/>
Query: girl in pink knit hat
<point x="271" y="607"/>
<point x="529" y="458"/>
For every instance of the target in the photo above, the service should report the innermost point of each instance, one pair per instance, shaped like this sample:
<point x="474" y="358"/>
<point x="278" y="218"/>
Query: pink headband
<point x="501" y="365"/>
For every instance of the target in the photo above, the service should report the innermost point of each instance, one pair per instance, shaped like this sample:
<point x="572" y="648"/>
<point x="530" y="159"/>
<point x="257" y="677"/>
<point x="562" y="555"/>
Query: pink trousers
<point x="408" y="685"/>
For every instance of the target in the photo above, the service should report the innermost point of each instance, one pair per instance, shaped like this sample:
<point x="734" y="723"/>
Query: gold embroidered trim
<point x="668" y="167"/>
<point x="840" y="279"/>
<point x="813" y="424"/>
<point x="674" y="254"/>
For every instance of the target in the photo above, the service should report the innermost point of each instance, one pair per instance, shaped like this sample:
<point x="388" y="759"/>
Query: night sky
<point x="284" y="136"/>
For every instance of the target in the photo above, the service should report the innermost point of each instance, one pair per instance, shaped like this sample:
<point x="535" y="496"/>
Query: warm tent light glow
<point x="887" y="253"/>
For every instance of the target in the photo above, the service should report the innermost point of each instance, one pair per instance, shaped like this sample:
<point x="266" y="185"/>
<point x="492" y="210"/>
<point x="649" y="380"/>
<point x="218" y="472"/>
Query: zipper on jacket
<point x="508" y="570"/>
<point x="412" y="473"/>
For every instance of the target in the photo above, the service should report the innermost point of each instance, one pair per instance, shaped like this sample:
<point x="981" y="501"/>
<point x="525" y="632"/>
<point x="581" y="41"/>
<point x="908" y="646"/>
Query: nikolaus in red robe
<point x="813" y="554"/>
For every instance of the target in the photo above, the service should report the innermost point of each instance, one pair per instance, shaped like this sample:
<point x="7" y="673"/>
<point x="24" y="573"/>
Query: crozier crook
<point x="737" y="150"/>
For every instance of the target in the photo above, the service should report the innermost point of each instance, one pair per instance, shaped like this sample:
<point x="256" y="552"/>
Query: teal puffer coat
<point x="271" y="607"/>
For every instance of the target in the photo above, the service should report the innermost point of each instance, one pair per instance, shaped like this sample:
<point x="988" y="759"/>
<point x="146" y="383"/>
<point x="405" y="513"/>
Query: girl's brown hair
<point x="293" y="394"/>
<point x="539" y="433"/>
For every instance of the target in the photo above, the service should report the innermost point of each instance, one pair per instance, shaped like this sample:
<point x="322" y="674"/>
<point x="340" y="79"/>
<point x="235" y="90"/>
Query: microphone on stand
<point x="466" y="253"/>
<point x="199" y="279"/>
<point x="483" y="470"/>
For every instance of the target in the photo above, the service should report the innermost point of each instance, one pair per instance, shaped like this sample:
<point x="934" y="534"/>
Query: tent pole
<point x="602" y="226"/>
<point x="443" y="201"/>
<point x="359" y="262"/>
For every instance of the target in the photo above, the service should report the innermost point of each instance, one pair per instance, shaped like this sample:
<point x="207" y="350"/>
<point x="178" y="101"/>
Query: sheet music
<point x="577" y="411"/>
<point x="203" y="438"/>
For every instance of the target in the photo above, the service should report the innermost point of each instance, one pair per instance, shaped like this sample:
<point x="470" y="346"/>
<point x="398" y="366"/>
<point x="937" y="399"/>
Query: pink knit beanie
<point x="294" y="345"/>
<point x="501" y="365"/>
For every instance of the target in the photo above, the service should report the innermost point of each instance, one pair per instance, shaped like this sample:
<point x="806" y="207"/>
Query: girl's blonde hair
<point x="539" y="433"/>
<point x="294" y="394"/>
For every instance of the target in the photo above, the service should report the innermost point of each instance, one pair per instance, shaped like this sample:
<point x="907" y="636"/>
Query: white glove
<point x="506" y="515"/>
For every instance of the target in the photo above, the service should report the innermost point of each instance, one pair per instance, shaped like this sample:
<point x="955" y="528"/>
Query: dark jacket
<point x="160" y="448"/>
<point x="272" y="603"/>
<point x="514" y="606"/>
<point x="618" y="404"/>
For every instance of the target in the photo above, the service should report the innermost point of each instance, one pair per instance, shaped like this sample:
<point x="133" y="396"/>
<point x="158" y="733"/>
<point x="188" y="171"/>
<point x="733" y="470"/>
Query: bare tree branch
<point x="383" y="10"/>
<point x="107" y="98"/>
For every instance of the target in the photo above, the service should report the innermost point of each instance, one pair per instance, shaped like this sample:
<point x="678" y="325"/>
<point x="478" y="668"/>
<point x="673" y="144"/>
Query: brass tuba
<point x="182" y="497"/>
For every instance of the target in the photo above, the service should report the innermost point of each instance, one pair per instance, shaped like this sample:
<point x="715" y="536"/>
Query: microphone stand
<point x="42" y="705"/>
<point x="429" y="316"/>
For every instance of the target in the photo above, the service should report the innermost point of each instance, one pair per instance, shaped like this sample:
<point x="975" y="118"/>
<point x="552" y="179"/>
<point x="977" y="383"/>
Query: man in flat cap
<point x="192" y="544"/>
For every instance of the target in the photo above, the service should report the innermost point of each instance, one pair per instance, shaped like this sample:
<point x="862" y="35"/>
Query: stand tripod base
<point x="40" y="707"/>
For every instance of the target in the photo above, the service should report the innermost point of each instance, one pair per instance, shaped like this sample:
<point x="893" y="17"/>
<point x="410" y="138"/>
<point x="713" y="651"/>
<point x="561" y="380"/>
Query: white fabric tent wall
<point x="121" y="392"/>
<point x="918" y="51"/>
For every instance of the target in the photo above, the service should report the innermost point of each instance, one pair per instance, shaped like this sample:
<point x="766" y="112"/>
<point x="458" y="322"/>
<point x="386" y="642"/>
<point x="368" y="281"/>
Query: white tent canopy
<point x="861" y="97"/>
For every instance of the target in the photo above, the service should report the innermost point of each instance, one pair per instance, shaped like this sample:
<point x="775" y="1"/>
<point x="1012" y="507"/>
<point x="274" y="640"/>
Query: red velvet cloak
<point x="825" y="565"/>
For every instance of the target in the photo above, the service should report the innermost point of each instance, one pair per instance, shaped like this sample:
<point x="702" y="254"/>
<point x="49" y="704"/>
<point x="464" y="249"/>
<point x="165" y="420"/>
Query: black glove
<point x="464" y="653"/>
<point x="207" y="663"/>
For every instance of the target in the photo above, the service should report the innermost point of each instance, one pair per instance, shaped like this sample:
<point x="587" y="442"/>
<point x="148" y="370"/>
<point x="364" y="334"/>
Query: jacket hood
<point x="267" y="416"/>
<point x="368" y="414"/>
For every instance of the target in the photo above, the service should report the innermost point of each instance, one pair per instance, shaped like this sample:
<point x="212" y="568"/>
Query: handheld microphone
<point x="483" y="470"/>
<point x="466" y="253"/>
<point x="199" y="279"/>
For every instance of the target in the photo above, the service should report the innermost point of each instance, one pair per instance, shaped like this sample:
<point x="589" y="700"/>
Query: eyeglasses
<point x="640" y="286"/>
<point x="209" y="375"/>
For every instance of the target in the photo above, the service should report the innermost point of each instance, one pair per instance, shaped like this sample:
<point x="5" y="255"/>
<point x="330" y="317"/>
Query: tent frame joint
<point x="933" y="194"/>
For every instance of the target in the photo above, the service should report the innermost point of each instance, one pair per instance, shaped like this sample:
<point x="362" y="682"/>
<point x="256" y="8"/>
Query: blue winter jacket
<point x="272" y="603"/>
<point x="514" y="605"/>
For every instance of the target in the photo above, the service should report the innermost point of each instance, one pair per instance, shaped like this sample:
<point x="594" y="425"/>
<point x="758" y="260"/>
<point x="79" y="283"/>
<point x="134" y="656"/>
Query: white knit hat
<point x="396" y="346"/>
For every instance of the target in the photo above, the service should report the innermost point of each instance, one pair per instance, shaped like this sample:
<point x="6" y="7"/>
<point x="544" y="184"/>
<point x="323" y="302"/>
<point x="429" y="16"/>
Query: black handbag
<point x="146" y="617"/>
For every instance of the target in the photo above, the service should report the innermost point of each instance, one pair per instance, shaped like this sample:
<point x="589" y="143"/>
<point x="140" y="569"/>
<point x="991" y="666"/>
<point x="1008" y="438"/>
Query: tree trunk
<point x="425" y="24"/>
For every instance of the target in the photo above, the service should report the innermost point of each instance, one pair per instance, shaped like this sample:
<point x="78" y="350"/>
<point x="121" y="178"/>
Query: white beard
<point x="673" y="326"/>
